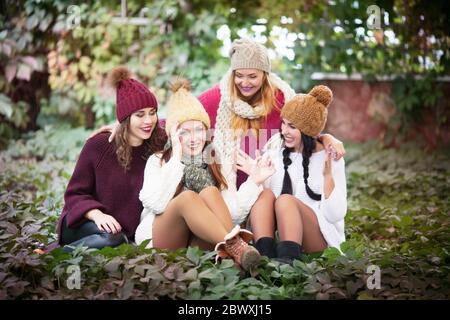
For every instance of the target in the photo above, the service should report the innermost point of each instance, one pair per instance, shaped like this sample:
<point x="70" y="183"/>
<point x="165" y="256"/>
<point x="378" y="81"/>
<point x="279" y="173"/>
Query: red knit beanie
<point x="131" y="95"/>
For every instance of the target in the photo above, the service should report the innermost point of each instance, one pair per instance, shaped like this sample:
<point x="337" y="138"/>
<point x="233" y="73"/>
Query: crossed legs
<point x="193" y="219"/>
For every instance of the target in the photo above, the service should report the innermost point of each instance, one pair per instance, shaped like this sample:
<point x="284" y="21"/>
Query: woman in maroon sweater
<point x="102" y="206"/>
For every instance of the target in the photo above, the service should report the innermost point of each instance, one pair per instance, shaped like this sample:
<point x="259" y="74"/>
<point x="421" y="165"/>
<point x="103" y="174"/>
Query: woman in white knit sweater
<point x="306" y="198"/>
<point x="185" y="197"/>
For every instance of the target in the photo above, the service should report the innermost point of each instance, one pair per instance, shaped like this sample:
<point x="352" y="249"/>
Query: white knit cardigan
<point x="160" y="184"/>
<point x="330" y="212"/>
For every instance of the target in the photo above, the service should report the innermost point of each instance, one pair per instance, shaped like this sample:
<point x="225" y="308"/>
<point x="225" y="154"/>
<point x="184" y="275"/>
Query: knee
<point x="268" y="195"/>
<point x="187" y="195"/>
<point x="284" y="198"/>
<point x="113" y="240"/>
<point x="209" y="190"/>
<point x="283" y="202"/>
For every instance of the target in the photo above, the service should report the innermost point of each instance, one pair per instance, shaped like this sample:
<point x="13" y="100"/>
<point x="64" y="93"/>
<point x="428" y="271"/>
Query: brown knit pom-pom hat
<point x="308" y="112"/>
<point x="131" y="95"/>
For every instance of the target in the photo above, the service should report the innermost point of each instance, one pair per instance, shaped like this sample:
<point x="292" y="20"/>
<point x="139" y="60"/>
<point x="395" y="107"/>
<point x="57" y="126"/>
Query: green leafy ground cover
<point x="398" y="220"/>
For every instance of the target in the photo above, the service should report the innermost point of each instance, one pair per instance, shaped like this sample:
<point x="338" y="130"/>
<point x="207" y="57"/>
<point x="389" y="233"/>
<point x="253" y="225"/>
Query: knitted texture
<point x="308" y="112"/>
<point x="224" y="140"/>
<point x="100" y="182"/>
<point x="183" y="106"/>
<point x="248" y="54"/>
<point x="131" y="95"/>
<point x="196" y="173"/>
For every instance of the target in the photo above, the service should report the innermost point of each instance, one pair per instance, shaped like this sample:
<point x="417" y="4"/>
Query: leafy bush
<point x="398" y="219"/>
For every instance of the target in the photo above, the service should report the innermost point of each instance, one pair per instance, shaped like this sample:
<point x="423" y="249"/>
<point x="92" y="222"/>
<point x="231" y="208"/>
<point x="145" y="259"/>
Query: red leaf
<point x="31" y="61"/>
<point x="10" y="71"/>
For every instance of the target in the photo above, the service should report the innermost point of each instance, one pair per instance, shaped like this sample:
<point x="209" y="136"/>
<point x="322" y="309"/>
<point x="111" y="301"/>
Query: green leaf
<point x="193" y="254"/>
<point x="5" y="106"/>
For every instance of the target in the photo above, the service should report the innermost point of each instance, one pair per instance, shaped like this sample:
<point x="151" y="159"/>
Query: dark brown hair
<point x="309" y="145"/>
<point x="154" y="144"/>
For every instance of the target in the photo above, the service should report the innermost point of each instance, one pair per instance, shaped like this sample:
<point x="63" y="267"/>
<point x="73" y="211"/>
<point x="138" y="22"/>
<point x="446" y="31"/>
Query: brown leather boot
<point x="236" y="247"/>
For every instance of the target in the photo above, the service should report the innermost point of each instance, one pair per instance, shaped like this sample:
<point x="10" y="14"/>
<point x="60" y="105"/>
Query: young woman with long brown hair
<point x="102" y="206"/>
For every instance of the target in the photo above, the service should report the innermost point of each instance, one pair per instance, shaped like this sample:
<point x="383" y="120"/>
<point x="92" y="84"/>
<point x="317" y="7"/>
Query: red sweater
<point x="100" y="182"/>
<point x="211" y="100"/>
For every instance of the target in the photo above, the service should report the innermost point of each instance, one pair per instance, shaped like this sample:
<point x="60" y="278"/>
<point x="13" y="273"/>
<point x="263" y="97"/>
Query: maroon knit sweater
<point x="100" y="182"/>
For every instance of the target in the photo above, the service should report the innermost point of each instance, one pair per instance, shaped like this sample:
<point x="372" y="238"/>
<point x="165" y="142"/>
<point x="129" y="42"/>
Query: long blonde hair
<point x="265" y="96"/>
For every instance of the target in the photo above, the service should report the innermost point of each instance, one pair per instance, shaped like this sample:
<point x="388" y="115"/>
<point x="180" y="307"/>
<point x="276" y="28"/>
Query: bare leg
<point x="186" y="213"/>
<point x="195" y="241"/>
<point x="214" y="201"/>
<point x="262" y="217"/>
<point x="297" y="222"/>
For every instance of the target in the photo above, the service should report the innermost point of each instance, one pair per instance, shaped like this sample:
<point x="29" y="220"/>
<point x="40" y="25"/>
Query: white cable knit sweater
<point x="160" y="184"/>
<point x="330" y="212"/>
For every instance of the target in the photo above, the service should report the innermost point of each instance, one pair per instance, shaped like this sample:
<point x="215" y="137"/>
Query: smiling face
<point x="192" y="137"/>
<point x="142" y="123"/>
<point x="248" y="81"/>
<point x="292" y="136"/>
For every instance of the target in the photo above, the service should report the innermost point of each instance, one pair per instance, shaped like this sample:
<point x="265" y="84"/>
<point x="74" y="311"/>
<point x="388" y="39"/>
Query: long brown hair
<point x="266" y="96"/>
<point x="214" y="167"/>
<point x="154" y="144"/>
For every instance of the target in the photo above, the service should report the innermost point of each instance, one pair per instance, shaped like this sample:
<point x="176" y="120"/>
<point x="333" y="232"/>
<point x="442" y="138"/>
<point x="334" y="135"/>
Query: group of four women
<point x="202" y="180"/>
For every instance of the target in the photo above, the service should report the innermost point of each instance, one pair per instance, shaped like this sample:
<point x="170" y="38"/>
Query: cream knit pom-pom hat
<point x="184" y="106"/>
<point x="248" y="54"/>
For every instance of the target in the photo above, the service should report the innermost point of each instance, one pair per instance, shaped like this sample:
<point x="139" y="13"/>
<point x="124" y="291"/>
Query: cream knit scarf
<point x="224" y="140"/>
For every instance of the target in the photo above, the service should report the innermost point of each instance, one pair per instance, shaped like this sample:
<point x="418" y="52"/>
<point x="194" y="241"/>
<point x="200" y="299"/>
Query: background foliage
<point x="53" y="72"/>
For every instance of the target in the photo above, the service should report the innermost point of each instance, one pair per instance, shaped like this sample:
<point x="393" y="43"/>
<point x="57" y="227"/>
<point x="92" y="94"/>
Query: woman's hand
<point x="108" y="128"/>
<point x="258" y="169"/>
<point x="333" y="146"/>
<point x="104" y="222"/>
<point x="328" y="176"/>
<point x="327" y="172"/>
<point x="175" y="141"/>
<point x="243" y="161"/>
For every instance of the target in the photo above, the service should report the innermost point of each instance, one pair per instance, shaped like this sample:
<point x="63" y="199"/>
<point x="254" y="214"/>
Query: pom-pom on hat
<point x="308" y="112"/>
<point x="131" y="95"/>
<point x="184" y="106"/>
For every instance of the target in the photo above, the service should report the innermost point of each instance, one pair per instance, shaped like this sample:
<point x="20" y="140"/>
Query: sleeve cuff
<point x="76" y="215"/>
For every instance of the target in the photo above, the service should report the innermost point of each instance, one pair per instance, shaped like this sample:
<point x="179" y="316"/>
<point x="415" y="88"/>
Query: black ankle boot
<point x="266" y="247"/>
<point x="288" y="251"/>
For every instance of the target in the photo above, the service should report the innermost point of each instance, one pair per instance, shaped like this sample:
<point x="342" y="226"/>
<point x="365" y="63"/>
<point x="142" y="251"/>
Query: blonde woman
<point x="245" y="107"/>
